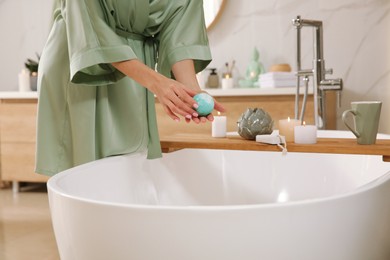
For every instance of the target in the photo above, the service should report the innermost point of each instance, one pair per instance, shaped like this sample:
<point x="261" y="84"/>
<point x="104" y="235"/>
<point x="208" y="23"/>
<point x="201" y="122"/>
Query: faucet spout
<point x="318" y="72"/>
<point x="298" y="22"/>
<point x="317" y="25"/>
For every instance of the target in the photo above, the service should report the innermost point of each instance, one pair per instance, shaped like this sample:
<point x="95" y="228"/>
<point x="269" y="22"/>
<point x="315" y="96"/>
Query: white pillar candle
<point x="227" y="83"/>
<point x="305" y="134"/>
<point x="218" y="127"/>
<point x="201" y="79"/>
<point x="286" y="128"/>
<point x="24" y="80"/>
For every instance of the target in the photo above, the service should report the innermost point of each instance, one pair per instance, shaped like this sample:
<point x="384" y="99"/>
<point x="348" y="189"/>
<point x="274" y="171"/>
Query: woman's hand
<point x="176" y="96"/>
<point x="184" y="72"/>
<point x="203" y="119"/>
<point x="176" y="99"/>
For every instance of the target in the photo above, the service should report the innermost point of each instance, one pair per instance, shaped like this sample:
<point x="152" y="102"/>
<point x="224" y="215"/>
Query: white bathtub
<point x="224" y="205"/>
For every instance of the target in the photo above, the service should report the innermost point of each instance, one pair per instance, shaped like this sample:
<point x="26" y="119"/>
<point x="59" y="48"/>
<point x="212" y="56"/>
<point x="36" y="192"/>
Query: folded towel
<point x="278" y="83"/>
<point x="278" y="76"/>
<point x="279" y="79"/>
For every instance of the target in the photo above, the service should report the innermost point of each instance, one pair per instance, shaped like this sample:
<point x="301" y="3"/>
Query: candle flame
<point x="304" y="123"/>
<point x="219" y="113"/>
<point x="288" y="119"/>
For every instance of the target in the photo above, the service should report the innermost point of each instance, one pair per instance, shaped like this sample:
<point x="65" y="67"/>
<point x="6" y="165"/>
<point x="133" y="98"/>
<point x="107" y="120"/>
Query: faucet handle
<point x="331" y="84"/>
<point x="304" y="73"/>
<point x="329" y="71"/>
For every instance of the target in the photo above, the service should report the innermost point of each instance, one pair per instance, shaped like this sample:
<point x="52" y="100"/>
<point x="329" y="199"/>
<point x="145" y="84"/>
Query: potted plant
<point x="32" y="66"/>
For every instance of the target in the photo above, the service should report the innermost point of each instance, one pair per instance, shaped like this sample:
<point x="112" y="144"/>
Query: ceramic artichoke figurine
<point x="254" y="122"/>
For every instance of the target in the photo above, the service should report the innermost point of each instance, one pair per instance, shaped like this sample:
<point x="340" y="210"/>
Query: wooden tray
<point x="170" y="143"/>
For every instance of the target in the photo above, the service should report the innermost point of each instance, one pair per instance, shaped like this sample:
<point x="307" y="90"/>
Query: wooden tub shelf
<point x="170" y="143"/>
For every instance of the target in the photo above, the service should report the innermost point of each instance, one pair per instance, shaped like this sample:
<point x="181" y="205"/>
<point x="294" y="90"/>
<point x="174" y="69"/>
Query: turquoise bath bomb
<point x="205" y="103"/>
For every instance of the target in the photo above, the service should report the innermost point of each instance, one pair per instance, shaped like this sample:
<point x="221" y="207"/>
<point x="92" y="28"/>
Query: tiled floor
<point x="25" y="225"/>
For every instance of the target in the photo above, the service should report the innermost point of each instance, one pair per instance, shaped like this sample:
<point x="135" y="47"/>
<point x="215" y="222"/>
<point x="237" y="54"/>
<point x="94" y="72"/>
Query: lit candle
<point x="253" y="75"/>
<point x="286" y="128"/>
<point x="218" y="127"/>
<point x="227" y="81"/>
<point x="305" y="134"/>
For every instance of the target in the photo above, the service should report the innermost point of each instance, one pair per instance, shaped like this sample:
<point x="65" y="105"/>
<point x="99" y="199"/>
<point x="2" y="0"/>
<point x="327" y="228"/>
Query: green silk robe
<point x="87" y="109"/>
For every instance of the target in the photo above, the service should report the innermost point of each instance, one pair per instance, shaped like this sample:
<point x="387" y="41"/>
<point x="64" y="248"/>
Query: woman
<point x="97" y="77"/>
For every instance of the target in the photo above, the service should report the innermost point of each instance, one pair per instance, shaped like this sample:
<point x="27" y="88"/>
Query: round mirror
<point x="212" y="11"/>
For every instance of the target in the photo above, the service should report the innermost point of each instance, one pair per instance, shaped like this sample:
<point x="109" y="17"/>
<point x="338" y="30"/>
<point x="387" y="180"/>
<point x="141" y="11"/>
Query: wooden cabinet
<point x="18" y="127"/>
<point x="17" y="140"/>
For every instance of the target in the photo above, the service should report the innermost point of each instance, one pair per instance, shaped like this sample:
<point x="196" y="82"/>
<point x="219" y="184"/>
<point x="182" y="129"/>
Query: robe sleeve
<point x="92" y="42"/>
<point x="184" y="36"/>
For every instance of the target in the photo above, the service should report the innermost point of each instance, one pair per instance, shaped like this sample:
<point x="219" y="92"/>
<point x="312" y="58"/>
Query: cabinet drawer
<point x="18" y="122"/>
<point x="18" y="162"/>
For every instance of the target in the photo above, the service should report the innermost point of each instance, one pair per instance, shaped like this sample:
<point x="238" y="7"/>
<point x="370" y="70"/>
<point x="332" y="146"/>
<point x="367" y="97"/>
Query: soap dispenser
<point x="213" y="79"/>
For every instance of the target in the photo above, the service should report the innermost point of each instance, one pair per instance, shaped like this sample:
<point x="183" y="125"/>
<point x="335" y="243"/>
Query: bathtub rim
<point x="56" y="189"/>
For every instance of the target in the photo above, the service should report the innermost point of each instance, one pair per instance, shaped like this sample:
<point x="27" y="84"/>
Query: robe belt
<point x="149" y="42"/>
<point x="150" y="47"/>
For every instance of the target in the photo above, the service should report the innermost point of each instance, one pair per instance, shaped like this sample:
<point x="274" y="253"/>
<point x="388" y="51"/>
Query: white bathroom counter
<point x="213" y="92"/>
<point x="18" y="95"/>
<point x="255" y="91"/>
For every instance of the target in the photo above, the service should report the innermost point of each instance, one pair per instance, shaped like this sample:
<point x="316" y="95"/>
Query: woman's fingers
<point x="170" y="114"/>
<point x="190" y="93"/>
<point x="196" y="120"/>
<point x="203" y="119"/>
<point x="171" y="99"/>
<point x="174" y="109"/>
<point x="218" y="106"/>
<point x="185" y="102"/>
<point x="177" y="100"/>
<point x="210" y="117"/>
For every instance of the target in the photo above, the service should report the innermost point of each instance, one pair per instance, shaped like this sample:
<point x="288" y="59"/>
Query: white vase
<point x="33" y="82"/>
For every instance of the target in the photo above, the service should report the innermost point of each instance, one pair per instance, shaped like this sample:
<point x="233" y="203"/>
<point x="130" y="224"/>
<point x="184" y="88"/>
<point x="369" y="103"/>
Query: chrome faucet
<point x="318" y="72"/>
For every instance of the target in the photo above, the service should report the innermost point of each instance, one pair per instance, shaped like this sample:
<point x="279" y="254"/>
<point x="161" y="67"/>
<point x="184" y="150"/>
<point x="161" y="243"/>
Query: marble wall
<point x="356" y="40"/>
<point x="24" y="25"/>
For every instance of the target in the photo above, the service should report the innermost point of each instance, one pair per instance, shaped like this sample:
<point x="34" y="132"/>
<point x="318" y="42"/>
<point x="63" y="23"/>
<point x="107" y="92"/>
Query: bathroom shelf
<point x="171" y="143"/>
